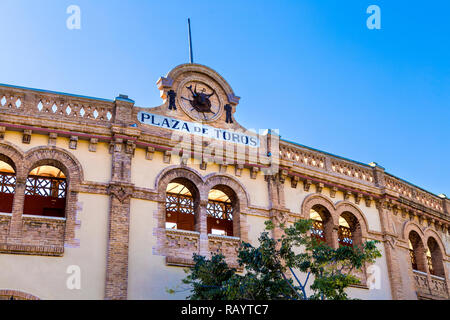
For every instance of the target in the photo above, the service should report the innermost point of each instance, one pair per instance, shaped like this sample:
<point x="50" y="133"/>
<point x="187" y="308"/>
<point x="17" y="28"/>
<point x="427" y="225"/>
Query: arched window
<point x="412" y="256"/>
<point x="220" y="210"/>
<point x="7" y="185"/>
<point x="349" y="232"/>
<point x="417" y="252"/>
<point x="45" y="192"/>
<point x="434" y="258"/>
<point x="345" y="235"/>
<point x="181" y="204"/>
<point x="322" y="227"/>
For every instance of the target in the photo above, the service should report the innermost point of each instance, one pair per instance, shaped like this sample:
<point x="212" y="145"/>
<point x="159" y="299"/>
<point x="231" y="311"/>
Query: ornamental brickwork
<point x="98" y="144"/>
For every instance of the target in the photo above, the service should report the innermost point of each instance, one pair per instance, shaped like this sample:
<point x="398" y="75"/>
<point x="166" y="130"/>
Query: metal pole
<point x="191" y="54"/>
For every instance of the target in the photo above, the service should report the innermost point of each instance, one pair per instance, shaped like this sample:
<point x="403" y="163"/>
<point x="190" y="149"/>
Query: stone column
<point x="202" y="227"/>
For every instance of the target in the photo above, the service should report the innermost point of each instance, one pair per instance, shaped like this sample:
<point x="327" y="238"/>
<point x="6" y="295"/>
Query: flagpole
<point x="191" y="54"/>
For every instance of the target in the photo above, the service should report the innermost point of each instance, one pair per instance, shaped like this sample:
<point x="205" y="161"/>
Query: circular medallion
<point x="199" y="100"/>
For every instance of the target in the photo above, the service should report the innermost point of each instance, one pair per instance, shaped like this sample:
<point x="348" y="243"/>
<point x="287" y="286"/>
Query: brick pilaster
<point x="15" y="227"/>
<point x="120" y="190"/>
<point x="391" y="253"/>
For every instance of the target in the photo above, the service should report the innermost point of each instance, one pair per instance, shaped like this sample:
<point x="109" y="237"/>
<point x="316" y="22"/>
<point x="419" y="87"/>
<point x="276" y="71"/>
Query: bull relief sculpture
<point x="200" y="101"/>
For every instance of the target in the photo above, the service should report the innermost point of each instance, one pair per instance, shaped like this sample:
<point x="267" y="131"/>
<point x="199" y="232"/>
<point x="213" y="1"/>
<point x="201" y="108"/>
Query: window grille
<point x="220" y="210"/>
<point x="46" y="187"/>
<point x="412" y="256"/>
<point x="345" y="236"/>
<point x="7" y="183"/>
<point x="430" y="265"/>
<point x="178" y="203"/>
<point x="318" y="231"/>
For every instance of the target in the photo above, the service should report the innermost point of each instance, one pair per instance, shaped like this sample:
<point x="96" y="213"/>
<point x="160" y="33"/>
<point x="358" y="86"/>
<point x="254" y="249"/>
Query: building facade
<point x="122" y="196"/>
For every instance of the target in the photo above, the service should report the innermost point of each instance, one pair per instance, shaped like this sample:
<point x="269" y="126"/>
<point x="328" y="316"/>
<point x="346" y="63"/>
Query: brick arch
<point x="58" y="158"/>
<point x="14" y="154"/>
<point x="412" y="226"/>
<point x="214" y="179"/>
<point x="345" y="206"/>
<point x="73" y="170"/>
<point x="317" y="199"/>
<point x="437" y="256"/>
<point x="328" y="219"/>
<point x="413" y="229"/>
<point x="240" y="227"/>
<point x="173" y="172"/>
<point x="16" y="294"/>
<point x="431" y="233"/>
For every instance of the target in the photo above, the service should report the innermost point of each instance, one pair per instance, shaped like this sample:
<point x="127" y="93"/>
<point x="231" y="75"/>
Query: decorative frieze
<point x="149" y="153"/>
<point x="167" y="156"/>
<point x="333" y="191"/>
<point x="358" y="198"/>
<point x="73" y="142"/>
<point x="347" y="195"/>
<point x="294" y="181"/>
<point x="319" y="187"/>
<point x="306" y="185"/>
<point x="26" y="137"/>
<point x="254" y="172"/>
<point x="238" y="170"/>
<point x="368" y="200"/>
<point x="203" y="164"/>
<point x="52" y="136"/>
<point x="93" y="144"/>
<point x="130" y="146"/>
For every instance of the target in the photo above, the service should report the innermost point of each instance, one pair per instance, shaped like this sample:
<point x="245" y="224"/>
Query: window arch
<point x="181" y="205"/>
<point x="416" y="252"/>
<point x="7" y="184"/>
<point x="434" y="258"/>
<point x="222" y="204"/>
<point x="45" y="192"/>
<point x="322" y="224"/>
<point x="349" y="232"/>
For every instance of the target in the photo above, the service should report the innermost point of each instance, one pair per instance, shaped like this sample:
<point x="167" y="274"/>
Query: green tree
<point x="271" y="270"/>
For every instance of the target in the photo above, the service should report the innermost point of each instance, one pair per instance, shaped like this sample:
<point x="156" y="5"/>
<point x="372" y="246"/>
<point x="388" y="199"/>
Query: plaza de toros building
<point x="121" y="196"/>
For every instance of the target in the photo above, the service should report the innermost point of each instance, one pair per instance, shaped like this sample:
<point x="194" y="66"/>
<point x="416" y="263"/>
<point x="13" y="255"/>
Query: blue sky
<point x="310" y="68"/>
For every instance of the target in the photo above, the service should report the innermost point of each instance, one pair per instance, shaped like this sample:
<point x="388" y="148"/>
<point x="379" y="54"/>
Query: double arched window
<point x="348" y="230"/>
<point x="425" y="258"/>
<point x="183" y="211"/>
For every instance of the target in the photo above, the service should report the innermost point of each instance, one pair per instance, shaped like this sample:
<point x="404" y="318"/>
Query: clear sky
<point x="310" y="68"/>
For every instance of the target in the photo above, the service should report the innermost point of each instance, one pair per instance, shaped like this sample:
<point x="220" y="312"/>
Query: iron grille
<point x="430" y="265"/>
<point x="345" y="236"/>
<point x="317" y="231"/>
<point x="46" y="187"/>
<point x="220" y="210"/>
<point x="179" y="203"/>
<point x="7" y="183"/>
<point x="412" y="256"/>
